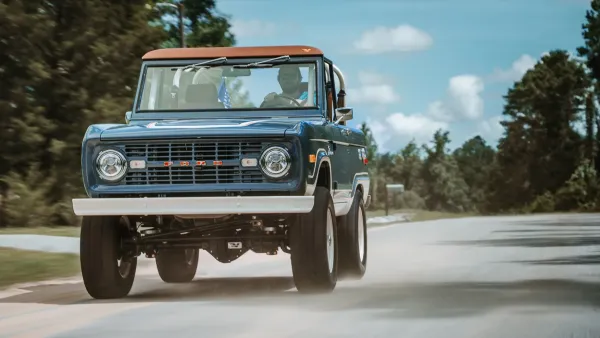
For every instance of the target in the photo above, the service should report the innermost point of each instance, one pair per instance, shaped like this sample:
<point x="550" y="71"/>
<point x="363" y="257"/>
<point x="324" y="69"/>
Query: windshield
<point x="181" y="88"/>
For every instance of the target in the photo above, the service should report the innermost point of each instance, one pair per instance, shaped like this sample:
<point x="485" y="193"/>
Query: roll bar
<point x="338" y="72"/>
<point x="341" y="102"/>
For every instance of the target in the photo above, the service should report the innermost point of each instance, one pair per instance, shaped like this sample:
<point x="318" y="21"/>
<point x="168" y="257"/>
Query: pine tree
<point x="69" y="63"/>
<point x="541" y="148"/>
<point x="204" y="26"/>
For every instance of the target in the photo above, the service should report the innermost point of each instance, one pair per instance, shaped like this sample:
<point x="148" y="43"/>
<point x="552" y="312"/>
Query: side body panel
<point x="357" y="172"/>
<point x="341" y="149"/>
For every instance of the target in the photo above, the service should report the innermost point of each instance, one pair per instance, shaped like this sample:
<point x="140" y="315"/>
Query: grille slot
<point x="193" y="162"/>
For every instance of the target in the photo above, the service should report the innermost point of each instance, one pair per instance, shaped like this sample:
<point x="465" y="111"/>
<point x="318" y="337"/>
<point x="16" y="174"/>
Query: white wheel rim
<point x="361" y="235"/>
<point x="124" y="267"/>
<point x="330" y="241"/>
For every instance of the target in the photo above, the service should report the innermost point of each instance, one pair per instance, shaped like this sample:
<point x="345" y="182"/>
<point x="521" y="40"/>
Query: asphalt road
<point x="526" y="276"/>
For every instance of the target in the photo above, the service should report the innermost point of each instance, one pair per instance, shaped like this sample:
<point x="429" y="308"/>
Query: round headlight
<point x="275" y="162"/>
<point x="111" y="165"/>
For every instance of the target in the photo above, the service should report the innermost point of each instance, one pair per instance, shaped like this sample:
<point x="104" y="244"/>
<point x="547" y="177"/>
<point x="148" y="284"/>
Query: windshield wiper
<point x="220" y="60"/>
<point x="264" y="64"/>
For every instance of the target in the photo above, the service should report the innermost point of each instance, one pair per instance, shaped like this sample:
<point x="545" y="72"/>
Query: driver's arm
<point x="270" y="96"/>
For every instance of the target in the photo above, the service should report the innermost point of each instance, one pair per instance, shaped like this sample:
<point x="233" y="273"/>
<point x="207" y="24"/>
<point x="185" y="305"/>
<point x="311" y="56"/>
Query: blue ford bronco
<point x="226" y="149"/>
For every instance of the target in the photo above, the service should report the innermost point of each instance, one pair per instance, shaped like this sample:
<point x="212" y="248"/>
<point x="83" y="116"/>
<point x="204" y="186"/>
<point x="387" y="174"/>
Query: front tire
<point x="108" y="271"/>
<point x="313" y="242"/>
<point x="177" y="265"/>
<point x="353" y="240"/>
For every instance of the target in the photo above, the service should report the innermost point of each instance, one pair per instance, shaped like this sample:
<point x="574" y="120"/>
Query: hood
<point x="199" y="128"/>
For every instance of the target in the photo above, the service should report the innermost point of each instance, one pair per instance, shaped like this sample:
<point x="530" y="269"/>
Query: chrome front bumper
<point x="192" y="205"/>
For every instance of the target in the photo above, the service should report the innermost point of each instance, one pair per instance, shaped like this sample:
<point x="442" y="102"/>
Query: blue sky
<point x="412" y="66"/>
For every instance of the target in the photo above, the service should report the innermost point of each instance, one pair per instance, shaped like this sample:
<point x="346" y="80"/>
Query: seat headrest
<point x="201" y="93"/>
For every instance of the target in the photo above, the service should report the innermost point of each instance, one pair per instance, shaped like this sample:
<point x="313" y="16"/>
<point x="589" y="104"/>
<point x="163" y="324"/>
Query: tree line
<point x="546" y="160"/>
<point x="66" y="64"/>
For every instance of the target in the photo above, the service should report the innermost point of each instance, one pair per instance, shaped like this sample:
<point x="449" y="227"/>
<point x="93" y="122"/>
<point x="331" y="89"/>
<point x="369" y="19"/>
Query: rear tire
<point x="313" y="242"/>
<point x="177" y="265"/>
<point x="106" y="269"/>
<point x="353" y="240"/>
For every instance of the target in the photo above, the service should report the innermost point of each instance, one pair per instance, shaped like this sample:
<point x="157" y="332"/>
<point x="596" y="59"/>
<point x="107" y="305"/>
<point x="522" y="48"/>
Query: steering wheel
<point x="271" y="103"/>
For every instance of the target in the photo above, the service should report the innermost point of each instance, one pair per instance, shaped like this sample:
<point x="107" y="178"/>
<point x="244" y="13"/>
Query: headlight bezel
<point x="262" y="162"/>
<point x="124" y="164"/>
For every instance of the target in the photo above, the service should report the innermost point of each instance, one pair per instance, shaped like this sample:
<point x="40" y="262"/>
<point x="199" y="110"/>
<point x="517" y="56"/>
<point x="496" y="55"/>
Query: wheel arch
<point x="321" y="175"/>
<point x="360" y="188"/>
<point x="324" y="175"/>
<point x="360" y="182"/>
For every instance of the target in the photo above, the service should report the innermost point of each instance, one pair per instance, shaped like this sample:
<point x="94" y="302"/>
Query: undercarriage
<point x="226" y="238"/>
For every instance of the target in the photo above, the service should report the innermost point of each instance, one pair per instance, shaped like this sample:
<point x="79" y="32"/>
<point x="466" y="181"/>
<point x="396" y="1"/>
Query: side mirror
<point x="128" y="116"/>
<point x="343" y="114"/>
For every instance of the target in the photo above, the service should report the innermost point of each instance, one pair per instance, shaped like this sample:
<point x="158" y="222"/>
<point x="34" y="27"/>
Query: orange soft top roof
<point x="215" y="52"/>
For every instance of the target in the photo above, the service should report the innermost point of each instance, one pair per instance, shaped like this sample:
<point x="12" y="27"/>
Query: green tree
<point x="203" y="25"/>
<point x="408" y="166"/>
<point x="66" y="64"/>
<point x="590" y="51"/>
<point x="382" y="174"/>
<point x="444" y="187"/>
<point x="590" y="132"/>
<point x="591" y="36"/>
<point x="475" y="160"/>
<point x="540" y="148"/>
<point x="407" y="171"/>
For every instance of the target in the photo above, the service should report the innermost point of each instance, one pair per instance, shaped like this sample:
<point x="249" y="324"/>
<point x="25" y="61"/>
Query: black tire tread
<point x="309" y="247"/>
<point x="172" y="267"/>
<point x="351" y="266"/>
<point x="99" y="251"/>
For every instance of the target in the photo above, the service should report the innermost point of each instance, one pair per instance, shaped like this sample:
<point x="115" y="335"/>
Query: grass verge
<point x="20" y="266"/>
<point x="68" y="231"/>
<point x="424" y="215"/>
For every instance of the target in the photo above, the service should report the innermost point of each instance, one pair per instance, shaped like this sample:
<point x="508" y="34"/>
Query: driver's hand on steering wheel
<point x="270" y="96"/>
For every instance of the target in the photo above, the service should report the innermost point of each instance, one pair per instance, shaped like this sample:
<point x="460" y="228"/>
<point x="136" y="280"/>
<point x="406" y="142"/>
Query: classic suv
<point x="203" y="164"/>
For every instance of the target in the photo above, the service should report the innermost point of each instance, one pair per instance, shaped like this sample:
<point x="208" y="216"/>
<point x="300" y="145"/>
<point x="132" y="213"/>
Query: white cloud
<point x="397" y="129"/>
<point x="382" y="94"/>
<point x="518" y="68"/>
<point x="402" y="38"/>
<point x="380" y="133"/>
<point x="418" y="126"/>
<point x="372" y="78"/>
<point x="374" y="88"/>
<point x="463" y="100"/>
<point x="251" y="28"/>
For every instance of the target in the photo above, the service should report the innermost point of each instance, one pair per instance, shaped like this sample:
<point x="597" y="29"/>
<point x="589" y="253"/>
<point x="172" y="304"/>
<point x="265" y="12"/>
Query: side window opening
<point x="332" y="99"/>
<point x="330" y="91"/>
